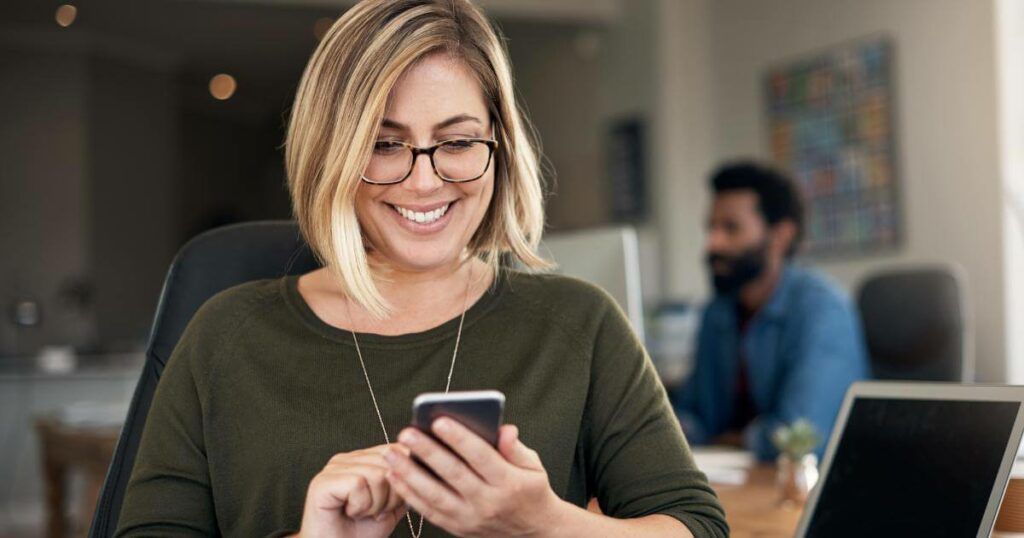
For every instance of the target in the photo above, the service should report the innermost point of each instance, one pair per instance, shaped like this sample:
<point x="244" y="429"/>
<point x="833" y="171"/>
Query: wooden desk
<point x="752" y="509"/>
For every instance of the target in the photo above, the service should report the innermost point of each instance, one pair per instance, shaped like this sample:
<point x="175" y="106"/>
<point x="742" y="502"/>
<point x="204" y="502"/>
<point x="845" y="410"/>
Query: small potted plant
<point x="797" y="470"/>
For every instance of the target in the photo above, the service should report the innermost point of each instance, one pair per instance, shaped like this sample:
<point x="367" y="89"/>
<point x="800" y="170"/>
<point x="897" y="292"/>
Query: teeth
<point x="422" y="218"/>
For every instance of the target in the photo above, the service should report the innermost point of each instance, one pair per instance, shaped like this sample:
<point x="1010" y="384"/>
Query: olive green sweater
<point x="260" y="393"/>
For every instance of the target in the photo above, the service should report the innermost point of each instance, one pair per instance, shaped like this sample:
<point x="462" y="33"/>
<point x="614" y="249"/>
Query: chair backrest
<point x="916" y="324"/>
<point x="211" y="262"/>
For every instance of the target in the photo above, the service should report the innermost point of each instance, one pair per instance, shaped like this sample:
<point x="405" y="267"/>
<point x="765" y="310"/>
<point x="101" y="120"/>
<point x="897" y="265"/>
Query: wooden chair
<point x="64" y="449"/>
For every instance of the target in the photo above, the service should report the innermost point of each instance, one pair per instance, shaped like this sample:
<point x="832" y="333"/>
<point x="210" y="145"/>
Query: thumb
<point x="513" y="450"/>
<point x="392" y="517"/>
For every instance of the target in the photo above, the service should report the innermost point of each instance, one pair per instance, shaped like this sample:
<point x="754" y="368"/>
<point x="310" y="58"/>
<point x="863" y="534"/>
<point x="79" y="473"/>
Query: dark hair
<point x="778" y="198"/>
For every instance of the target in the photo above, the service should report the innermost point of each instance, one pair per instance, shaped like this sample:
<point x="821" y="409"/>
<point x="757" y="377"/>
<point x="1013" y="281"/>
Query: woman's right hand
<point x="350" y="498"/>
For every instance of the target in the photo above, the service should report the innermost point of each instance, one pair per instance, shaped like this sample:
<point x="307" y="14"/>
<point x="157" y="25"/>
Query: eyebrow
<point x="392" y="124"/>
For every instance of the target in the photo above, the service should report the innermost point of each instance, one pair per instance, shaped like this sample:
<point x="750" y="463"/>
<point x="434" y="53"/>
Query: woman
<point x="412" y="175"/>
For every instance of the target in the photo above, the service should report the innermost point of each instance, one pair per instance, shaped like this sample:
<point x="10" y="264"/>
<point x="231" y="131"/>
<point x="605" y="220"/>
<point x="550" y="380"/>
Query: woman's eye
<point x="386" y="147"/>
<point x="457" y="146"/>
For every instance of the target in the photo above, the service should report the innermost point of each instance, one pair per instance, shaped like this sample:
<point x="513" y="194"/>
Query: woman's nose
<point x="422" y="179"/>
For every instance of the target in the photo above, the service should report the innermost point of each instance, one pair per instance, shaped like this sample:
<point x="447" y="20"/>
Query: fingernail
<point x="389" y="456"/>
<point x="442" y="425"/>
<point x="408" y="437"/>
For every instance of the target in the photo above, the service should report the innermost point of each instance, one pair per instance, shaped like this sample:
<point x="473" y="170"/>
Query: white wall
<point x="1010" y="21"/>
<point x="683" y="144"/>
<point x="946" y="122"/>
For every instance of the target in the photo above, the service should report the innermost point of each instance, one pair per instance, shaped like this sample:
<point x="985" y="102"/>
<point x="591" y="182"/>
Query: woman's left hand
<point x="481" y="491"/>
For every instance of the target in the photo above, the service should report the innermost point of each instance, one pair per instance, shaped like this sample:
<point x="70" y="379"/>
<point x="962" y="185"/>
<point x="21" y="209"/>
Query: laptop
<point x="916" y="459"/>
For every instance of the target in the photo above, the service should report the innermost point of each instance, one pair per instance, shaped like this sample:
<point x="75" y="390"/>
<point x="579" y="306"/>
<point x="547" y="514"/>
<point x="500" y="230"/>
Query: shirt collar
<point x="778" y="304"/>
<point x="776" y="308"/>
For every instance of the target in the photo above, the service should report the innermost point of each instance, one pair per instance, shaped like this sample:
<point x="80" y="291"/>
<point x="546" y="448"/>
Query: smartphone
<point x="479" y="410"/>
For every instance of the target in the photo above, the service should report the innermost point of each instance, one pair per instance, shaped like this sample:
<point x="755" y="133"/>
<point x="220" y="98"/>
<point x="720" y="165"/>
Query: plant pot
<point x="795" y="478"/>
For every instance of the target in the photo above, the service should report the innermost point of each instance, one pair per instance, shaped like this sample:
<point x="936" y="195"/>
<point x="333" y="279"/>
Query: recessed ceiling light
<point x="222" y="86"/>
<point x="66" y="15"/>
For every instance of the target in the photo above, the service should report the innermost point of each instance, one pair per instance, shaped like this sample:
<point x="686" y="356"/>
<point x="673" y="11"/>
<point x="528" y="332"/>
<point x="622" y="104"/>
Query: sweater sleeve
<point x="169" y="491"/>
<point x="638" y="460"/>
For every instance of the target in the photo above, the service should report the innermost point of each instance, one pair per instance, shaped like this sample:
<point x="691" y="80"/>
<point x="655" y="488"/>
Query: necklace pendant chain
<point x="451" y="369"/>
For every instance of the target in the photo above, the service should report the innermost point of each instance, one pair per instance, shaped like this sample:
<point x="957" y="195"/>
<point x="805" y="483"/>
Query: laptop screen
<point x="913" y="468"/>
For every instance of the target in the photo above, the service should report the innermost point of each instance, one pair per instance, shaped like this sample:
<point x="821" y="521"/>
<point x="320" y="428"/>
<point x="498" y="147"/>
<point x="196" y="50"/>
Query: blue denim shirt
<point x="803" y="349"/>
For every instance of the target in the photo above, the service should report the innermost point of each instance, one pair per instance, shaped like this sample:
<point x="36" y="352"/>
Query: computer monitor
<point x="916" y="459"/>
<point x="607" y="257"/>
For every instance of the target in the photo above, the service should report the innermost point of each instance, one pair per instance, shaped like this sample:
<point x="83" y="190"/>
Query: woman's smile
<point x="423" y="218"/>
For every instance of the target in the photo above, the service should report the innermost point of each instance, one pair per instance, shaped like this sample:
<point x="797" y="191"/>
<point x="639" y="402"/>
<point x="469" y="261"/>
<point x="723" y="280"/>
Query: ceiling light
<point x="66" y="15"/>
<point x="222" y="86"/>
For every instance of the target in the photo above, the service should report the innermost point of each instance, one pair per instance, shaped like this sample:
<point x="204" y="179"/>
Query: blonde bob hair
<point x="336" y="117"/>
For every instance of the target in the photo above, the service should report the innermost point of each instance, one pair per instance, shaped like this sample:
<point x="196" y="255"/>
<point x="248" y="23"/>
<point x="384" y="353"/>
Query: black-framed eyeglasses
<point x="456" y="161"/>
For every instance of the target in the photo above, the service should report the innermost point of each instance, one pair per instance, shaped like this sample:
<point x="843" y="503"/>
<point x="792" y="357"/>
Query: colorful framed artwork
<point x="830" y="125"/>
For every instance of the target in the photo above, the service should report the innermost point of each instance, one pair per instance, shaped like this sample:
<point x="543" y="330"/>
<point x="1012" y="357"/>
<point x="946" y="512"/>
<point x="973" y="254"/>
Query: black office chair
<point x="916" y="324"/>
<point x="211" y="262"/>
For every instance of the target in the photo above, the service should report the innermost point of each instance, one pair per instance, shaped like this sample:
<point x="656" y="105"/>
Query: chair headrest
<point x="217" y="260"/>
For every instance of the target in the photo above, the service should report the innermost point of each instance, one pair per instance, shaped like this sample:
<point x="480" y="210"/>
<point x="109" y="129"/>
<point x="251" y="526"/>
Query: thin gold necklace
<point x="451" y="369"/>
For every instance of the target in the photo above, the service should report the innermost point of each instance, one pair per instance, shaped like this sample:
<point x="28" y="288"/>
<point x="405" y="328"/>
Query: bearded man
<point x="778" y="342"/>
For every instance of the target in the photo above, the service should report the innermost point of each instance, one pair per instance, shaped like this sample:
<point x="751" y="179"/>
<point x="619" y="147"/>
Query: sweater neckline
<point x="289" y="287"/>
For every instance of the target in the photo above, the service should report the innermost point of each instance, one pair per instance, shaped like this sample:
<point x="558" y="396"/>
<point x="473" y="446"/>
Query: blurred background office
<point x="130" y="126"/>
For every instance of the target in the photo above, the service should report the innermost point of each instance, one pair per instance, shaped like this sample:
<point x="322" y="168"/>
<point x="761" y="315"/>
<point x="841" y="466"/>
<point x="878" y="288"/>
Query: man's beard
<point x="742" y="268"/>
